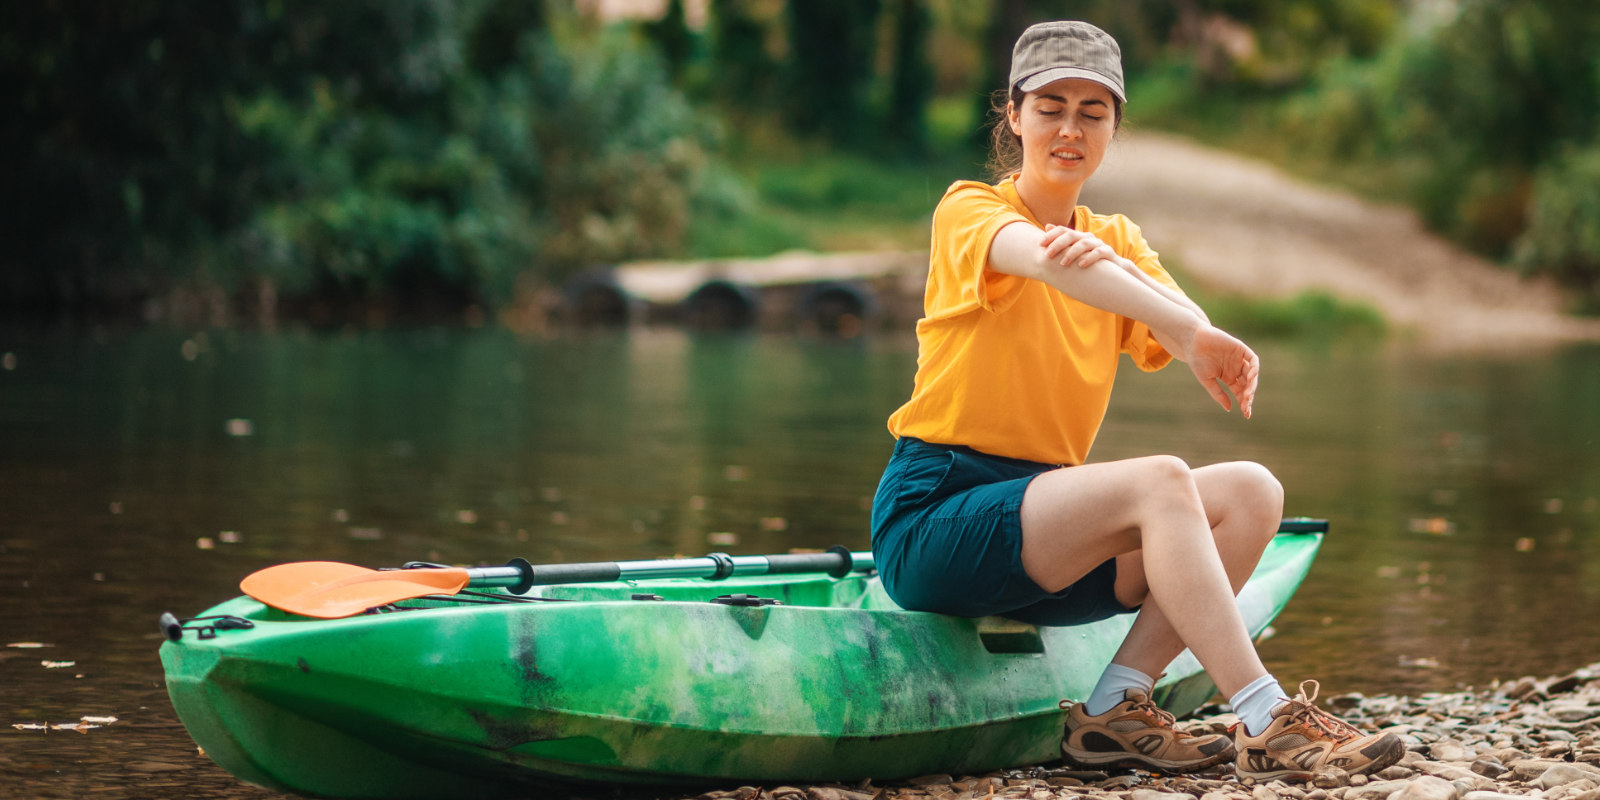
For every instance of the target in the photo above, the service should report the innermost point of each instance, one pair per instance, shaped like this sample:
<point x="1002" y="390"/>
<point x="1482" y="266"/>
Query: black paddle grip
<point x="597" y="572"/>
<point x="836" y="562"/>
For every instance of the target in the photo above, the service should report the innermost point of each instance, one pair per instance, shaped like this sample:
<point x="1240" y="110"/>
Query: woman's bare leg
<point x="1185" y="540"/>
<point x="1244" y="505"/>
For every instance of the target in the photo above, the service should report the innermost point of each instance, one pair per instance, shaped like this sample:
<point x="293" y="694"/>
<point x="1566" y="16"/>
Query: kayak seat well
<point x="997" y="634"/>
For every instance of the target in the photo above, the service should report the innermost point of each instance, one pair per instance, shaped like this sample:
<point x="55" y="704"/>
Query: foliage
<point x="1485" y="120"/>
<point x="118" y="120"/>
<point x="411" y="153"/>
<point x="1308" y="315"/>
<point x="625" y="155"/>
<point x="406" y="151"/>
<point x="831" y="68"/>
<point x="1563" y="234"/>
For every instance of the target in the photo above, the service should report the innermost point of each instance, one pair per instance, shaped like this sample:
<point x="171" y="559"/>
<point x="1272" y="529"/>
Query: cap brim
<point x="1046" y="77"/>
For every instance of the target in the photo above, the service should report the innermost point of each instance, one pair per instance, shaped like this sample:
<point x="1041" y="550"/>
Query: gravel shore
<point x="1527" y="738"/>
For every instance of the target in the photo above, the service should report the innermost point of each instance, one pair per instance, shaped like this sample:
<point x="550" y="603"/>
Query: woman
<point x="988" y="507"/>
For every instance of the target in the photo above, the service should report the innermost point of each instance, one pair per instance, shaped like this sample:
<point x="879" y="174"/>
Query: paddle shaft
<point x="519" y="574"/>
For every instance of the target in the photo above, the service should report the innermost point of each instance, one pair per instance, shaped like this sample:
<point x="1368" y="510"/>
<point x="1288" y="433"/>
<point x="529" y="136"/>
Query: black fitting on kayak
<point x="1303" y="525"/>
<point x="526" y="570"/>
<point x="846" y="561"/>
<point x="724" y="564"/>
<point x="745" y="600"/>
<point x="171" y="626"/>
<point x="174" y="627"/>
<point x="650" y="597"/>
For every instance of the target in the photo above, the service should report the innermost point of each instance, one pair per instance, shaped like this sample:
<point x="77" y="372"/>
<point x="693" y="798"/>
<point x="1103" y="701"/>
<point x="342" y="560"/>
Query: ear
<point x="1014" y="118"/>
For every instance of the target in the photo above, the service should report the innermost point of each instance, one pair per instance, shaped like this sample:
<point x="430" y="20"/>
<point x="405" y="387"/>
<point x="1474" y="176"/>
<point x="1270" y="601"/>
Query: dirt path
<point x="1240" y="225"/>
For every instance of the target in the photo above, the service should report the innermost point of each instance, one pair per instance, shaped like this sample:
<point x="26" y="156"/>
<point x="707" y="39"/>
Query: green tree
<point x="911" y="81"/>
<point x="831" y="67"/>
<point x="412" y="155"/>
<point x="671" y="35"/>
<point x="743" y="74"/>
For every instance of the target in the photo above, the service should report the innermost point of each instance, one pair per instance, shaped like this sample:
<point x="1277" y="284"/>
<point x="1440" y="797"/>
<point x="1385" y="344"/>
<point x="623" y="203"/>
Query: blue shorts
<point x="947" y="537"/>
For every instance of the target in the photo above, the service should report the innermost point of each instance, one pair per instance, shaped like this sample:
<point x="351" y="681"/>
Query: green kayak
<point x="648" y="681"/>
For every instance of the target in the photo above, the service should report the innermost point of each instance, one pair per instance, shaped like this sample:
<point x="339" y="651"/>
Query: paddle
<point x="329" y="589"/>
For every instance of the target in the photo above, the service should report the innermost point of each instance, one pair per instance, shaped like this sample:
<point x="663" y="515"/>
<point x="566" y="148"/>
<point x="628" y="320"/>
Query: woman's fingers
<point x="1253" y="376"/>
<point x="1219" y="360"/>
<point x="1056" y="240"/>
<point x="1071" y="248"/>
<point x="1215" y="390"/>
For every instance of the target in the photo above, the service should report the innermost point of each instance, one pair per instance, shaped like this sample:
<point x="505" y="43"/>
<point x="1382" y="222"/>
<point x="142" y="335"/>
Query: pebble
<point x="1489" y="767"/>
<point x="1526" y="739"/>
<point x="1560" y="774"/>
<point x="1426" y="787"/>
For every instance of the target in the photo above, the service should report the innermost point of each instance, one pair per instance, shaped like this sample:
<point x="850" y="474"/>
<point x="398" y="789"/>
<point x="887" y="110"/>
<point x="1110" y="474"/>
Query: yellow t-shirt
<point x="1011" y="366"/>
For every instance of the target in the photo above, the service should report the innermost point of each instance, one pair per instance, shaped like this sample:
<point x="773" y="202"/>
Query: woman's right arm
<point x="1021" y="249"/>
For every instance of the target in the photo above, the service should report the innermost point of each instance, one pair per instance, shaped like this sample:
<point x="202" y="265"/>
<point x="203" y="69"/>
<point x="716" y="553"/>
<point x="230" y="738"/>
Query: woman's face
<point x="1065" y="127"/>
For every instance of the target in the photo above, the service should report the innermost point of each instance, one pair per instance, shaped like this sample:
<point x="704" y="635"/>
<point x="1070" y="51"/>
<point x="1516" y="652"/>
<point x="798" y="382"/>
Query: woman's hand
<point x="1072" y="248"/>
<point x="1218" y="358"/>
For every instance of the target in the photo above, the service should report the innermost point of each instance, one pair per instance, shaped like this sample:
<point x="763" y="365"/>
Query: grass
<point x="818" y="196"/>
<point x="1308" y="315"/>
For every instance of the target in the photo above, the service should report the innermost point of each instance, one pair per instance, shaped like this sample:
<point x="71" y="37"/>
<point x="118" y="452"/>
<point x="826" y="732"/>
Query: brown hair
<point x="1005" y="147"/>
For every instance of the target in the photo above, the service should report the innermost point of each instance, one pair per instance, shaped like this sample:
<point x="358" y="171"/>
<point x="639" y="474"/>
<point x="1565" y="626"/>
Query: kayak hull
<point x="835" y="684"/>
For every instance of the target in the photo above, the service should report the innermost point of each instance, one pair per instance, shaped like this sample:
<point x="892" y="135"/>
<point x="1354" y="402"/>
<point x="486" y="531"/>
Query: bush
<point x="623" y="154"/>
<point x="396" y="152"/>
<point x="1563" y="234"/>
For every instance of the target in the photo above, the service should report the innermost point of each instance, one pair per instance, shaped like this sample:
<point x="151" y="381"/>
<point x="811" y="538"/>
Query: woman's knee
<point x="1247" y="489"/>
<point x="1168" y="480"/>
<point x="1264" y="488"/>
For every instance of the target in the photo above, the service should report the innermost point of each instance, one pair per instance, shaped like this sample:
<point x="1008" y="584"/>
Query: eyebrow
<point x="1059" y="99"/>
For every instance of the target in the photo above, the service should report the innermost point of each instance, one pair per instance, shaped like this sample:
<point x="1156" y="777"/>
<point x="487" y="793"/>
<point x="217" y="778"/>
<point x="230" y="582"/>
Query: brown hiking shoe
<point x="1137" y="733"/>
<point x="1303" y="739"/>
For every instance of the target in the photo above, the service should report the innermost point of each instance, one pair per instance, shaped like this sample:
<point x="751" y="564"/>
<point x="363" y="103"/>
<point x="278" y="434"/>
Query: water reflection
<point x="1462" y="491"/>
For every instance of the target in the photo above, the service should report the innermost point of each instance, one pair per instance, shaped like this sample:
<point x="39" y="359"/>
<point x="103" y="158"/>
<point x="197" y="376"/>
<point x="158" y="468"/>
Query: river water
<point x="149" y="471"/>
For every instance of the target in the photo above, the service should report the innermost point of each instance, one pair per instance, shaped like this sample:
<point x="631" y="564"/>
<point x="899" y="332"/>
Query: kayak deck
<point x="590" y="685"/>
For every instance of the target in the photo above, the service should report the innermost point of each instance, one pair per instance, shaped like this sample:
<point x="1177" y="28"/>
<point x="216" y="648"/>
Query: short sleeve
<point x="1128" y="240"/>
<point x="964" y="226"/>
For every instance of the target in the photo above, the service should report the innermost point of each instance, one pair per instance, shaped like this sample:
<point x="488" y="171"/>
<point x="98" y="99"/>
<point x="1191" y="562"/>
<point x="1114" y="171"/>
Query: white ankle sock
<point x="1113" y="687"/>
<point x="1255" y="703"/>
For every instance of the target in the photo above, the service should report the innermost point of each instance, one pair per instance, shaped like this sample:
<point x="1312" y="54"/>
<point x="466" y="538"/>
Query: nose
<point x="1070" y="129"/>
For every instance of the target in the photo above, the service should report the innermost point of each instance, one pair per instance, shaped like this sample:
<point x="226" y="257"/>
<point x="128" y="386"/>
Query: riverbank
<point x="1524" y="738"/>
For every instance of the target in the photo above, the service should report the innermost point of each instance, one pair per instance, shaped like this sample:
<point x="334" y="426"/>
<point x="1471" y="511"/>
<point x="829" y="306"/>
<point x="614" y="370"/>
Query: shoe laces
<point x="1303" y="709"/>
<point x="1161" y="716"/>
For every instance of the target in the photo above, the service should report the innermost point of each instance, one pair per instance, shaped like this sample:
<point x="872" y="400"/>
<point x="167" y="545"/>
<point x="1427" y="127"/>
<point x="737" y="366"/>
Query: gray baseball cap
<point x="1050" y="51"/>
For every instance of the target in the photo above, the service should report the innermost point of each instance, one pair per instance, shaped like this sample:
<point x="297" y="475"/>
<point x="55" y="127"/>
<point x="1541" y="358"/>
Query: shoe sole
<point x="1133" y="761"/>
<point x="1391" y="756"/>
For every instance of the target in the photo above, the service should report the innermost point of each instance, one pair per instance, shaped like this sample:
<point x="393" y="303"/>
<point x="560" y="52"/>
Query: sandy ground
<point x="1240" y="225"/>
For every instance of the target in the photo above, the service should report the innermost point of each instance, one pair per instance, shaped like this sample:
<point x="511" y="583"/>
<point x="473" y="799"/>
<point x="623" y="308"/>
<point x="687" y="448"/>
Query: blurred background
<point x="287" y="280"/>
<point x="438" y="159"/>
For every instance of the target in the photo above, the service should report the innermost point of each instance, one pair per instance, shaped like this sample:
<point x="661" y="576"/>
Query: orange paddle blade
<point x="330" y="589"/>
